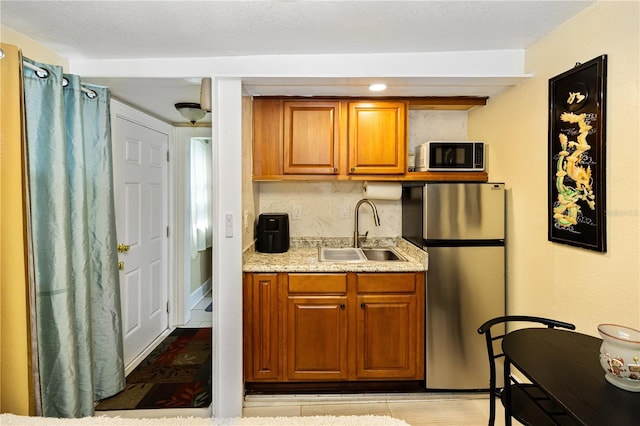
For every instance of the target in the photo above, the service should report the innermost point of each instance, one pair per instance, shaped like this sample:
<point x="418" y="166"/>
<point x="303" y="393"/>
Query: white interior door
<point x="141" y="181"/>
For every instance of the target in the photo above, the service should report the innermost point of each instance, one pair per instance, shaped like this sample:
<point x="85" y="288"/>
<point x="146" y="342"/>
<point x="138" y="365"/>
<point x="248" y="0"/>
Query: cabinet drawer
<point x="317" y="283"/>
<point x="386" y="283"/>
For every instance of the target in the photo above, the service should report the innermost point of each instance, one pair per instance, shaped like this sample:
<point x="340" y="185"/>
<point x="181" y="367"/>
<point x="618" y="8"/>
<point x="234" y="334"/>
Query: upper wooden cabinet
<point x="267" y="138"/>
<point x="341" y="139"/>
<point x="311" y="137"/>
<point x="329" y="137"/>
<point x="377" y="142"/>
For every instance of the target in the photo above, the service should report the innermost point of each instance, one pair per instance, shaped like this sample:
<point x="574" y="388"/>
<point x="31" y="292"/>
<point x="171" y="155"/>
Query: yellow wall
<point x="551" y="279"/>
<point x="32" y="49"/>
<point x="14" y="326"/>
<point x="15" y="385"/>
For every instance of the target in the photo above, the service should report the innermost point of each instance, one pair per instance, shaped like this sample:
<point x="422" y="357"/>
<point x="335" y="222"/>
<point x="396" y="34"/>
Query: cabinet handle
<point x="342" y="306"/>
<point x="335" y="170"/>
<point x="362" y="305"/>
<point x="353" y="169"/>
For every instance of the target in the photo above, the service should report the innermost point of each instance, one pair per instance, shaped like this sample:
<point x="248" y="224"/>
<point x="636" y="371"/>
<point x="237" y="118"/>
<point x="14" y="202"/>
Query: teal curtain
<point x="73" y="242"/>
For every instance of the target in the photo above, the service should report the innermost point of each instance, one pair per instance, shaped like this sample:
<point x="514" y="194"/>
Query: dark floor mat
<point x="176" y="374"/>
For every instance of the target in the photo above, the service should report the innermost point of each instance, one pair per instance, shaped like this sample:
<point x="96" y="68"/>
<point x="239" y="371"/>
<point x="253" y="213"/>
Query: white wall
<point x="228" y="389"/>
<point x="491" y="68"/>
<point x="551" y="279"/>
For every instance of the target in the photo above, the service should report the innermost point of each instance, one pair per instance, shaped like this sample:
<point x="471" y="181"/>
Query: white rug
<point x="13" y="420"/>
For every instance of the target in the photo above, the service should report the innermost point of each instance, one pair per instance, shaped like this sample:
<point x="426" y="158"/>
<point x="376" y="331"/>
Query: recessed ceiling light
<point x="377" y="87"/>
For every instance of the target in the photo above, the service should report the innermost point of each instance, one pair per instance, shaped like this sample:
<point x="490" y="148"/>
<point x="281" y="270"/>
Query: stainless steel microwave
<point x="463" y="156"/>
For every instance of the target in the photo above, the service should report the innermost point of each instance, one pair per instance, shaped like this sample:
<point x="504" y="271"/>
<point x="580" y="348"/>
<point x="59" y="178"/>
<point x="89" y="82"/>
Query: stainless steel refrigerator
<point x="462" y="228"/>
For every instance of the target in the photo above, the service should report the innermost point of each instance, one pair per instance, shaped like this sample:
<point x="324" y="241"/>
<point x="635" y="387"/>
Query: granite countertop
<point x="303" y="257"/>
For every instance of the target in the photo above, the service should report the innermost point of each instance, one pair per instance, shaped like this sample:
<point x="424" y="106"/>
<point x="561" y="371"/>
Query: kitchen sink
<point x="352" y="254"/>
<point x="383" y="254"/>
<point x="347" y="254"/>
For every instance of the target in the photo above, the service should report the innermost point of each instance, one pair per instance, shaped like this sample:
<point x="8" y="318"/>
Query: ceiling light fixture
<point x="191" y="111"/>
<point x="377" y="87"/>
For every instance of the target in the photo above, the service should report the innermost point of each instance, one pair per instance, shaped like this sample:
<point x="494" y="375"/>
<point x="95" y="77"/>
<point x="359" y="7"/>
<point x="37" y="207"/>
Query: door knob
<point x="123" y="248"/>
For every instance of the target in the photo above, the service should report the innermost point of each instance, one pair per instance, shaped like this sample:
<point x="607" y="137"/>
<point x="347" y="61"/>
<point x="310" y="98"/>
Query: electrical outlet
<point x="344" y="212"/>
<point x="296" y="212"/>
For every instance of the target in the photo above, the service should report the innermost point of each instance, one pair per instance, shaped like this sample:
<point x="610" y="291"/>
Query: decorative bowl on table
<point x="620" y="356"/>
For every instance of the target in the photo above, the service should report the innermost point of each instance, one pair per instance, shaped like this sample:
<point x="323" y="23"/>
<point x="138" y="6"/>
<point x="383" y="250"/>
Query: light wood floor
<point x="415" y="409"/>
<point x="423" y="410"/>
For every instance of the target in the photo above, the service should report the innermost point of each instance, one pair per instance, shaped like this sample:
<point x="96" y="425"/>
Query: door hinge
<point x="167" y="156"/>
<point x="168" y="232"/>
<point x="168" y="309"/>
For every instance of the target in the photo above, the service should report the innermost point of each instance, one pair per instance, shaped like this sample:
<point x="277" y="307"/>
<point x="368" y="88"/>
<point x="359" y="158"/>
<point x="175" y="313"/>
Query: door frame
<point x="126" y="112"/>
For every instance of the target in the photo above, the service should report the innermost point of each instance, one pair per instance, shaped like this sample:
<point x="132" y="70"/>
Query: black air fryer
<point x="273" y="233"/>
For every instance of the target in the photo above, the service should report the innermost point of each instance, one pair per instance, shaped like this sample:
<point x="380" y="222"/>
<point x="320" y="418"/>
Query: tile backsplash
<point x="427" y="125"/>
<point x="326" y="209"/>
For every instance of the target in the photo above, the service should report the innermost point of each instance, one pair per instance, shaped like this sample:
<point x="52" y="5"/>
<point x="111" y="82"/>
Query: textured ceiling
<point x="90" y="30"/>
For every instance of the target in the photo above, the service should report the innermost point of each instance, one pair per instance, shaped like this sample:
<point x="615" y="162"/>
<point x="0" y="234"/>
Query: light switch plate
<point x="228" y="225"/>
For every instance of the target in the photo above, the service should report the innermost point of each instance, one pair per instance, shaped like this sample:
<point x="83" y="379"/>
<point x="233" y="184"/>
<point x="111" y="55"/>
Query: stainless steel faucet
<point x="376" y="220"/>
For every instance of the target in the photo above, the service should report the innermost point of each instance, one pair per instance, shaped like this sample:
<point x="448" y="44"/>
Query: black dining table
<point x="566" y="366"/>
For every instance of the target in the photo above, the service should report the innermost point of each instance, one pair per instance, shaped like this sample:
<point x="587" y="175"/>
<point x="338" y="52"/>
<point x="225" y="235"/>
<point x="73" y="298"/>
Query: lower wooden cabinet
<point x="333" y="326"/>
<point x="386" y="345"/>
<point x="390" y="326"/>
<point x="316" y="346"/>
<point x="262" y="327"/>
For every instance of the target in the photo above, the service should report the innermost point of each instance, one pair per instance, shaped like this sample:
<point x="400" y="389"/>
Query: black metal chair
<point x="529" y="405"/>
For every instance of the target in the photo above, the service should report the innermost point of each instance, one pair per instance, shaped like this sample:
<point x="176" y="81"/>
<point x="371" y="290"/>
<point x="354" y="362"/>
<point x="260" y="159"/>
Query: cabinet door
<point x="267" y="138"/>
<point x="377" y="143"/>
<point x="311" y="137"/>
<point x="262" y="328"/>
<point x="316" y="330"/>
<point x="387" y="337"/>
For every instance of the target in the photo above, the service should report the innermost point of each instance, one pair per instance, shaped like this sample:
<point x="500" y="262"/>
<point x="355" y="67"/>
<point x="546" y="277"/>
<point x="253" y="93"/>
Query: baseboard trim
<point x="199" y="293"/>
<point x="343" y="387"/>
